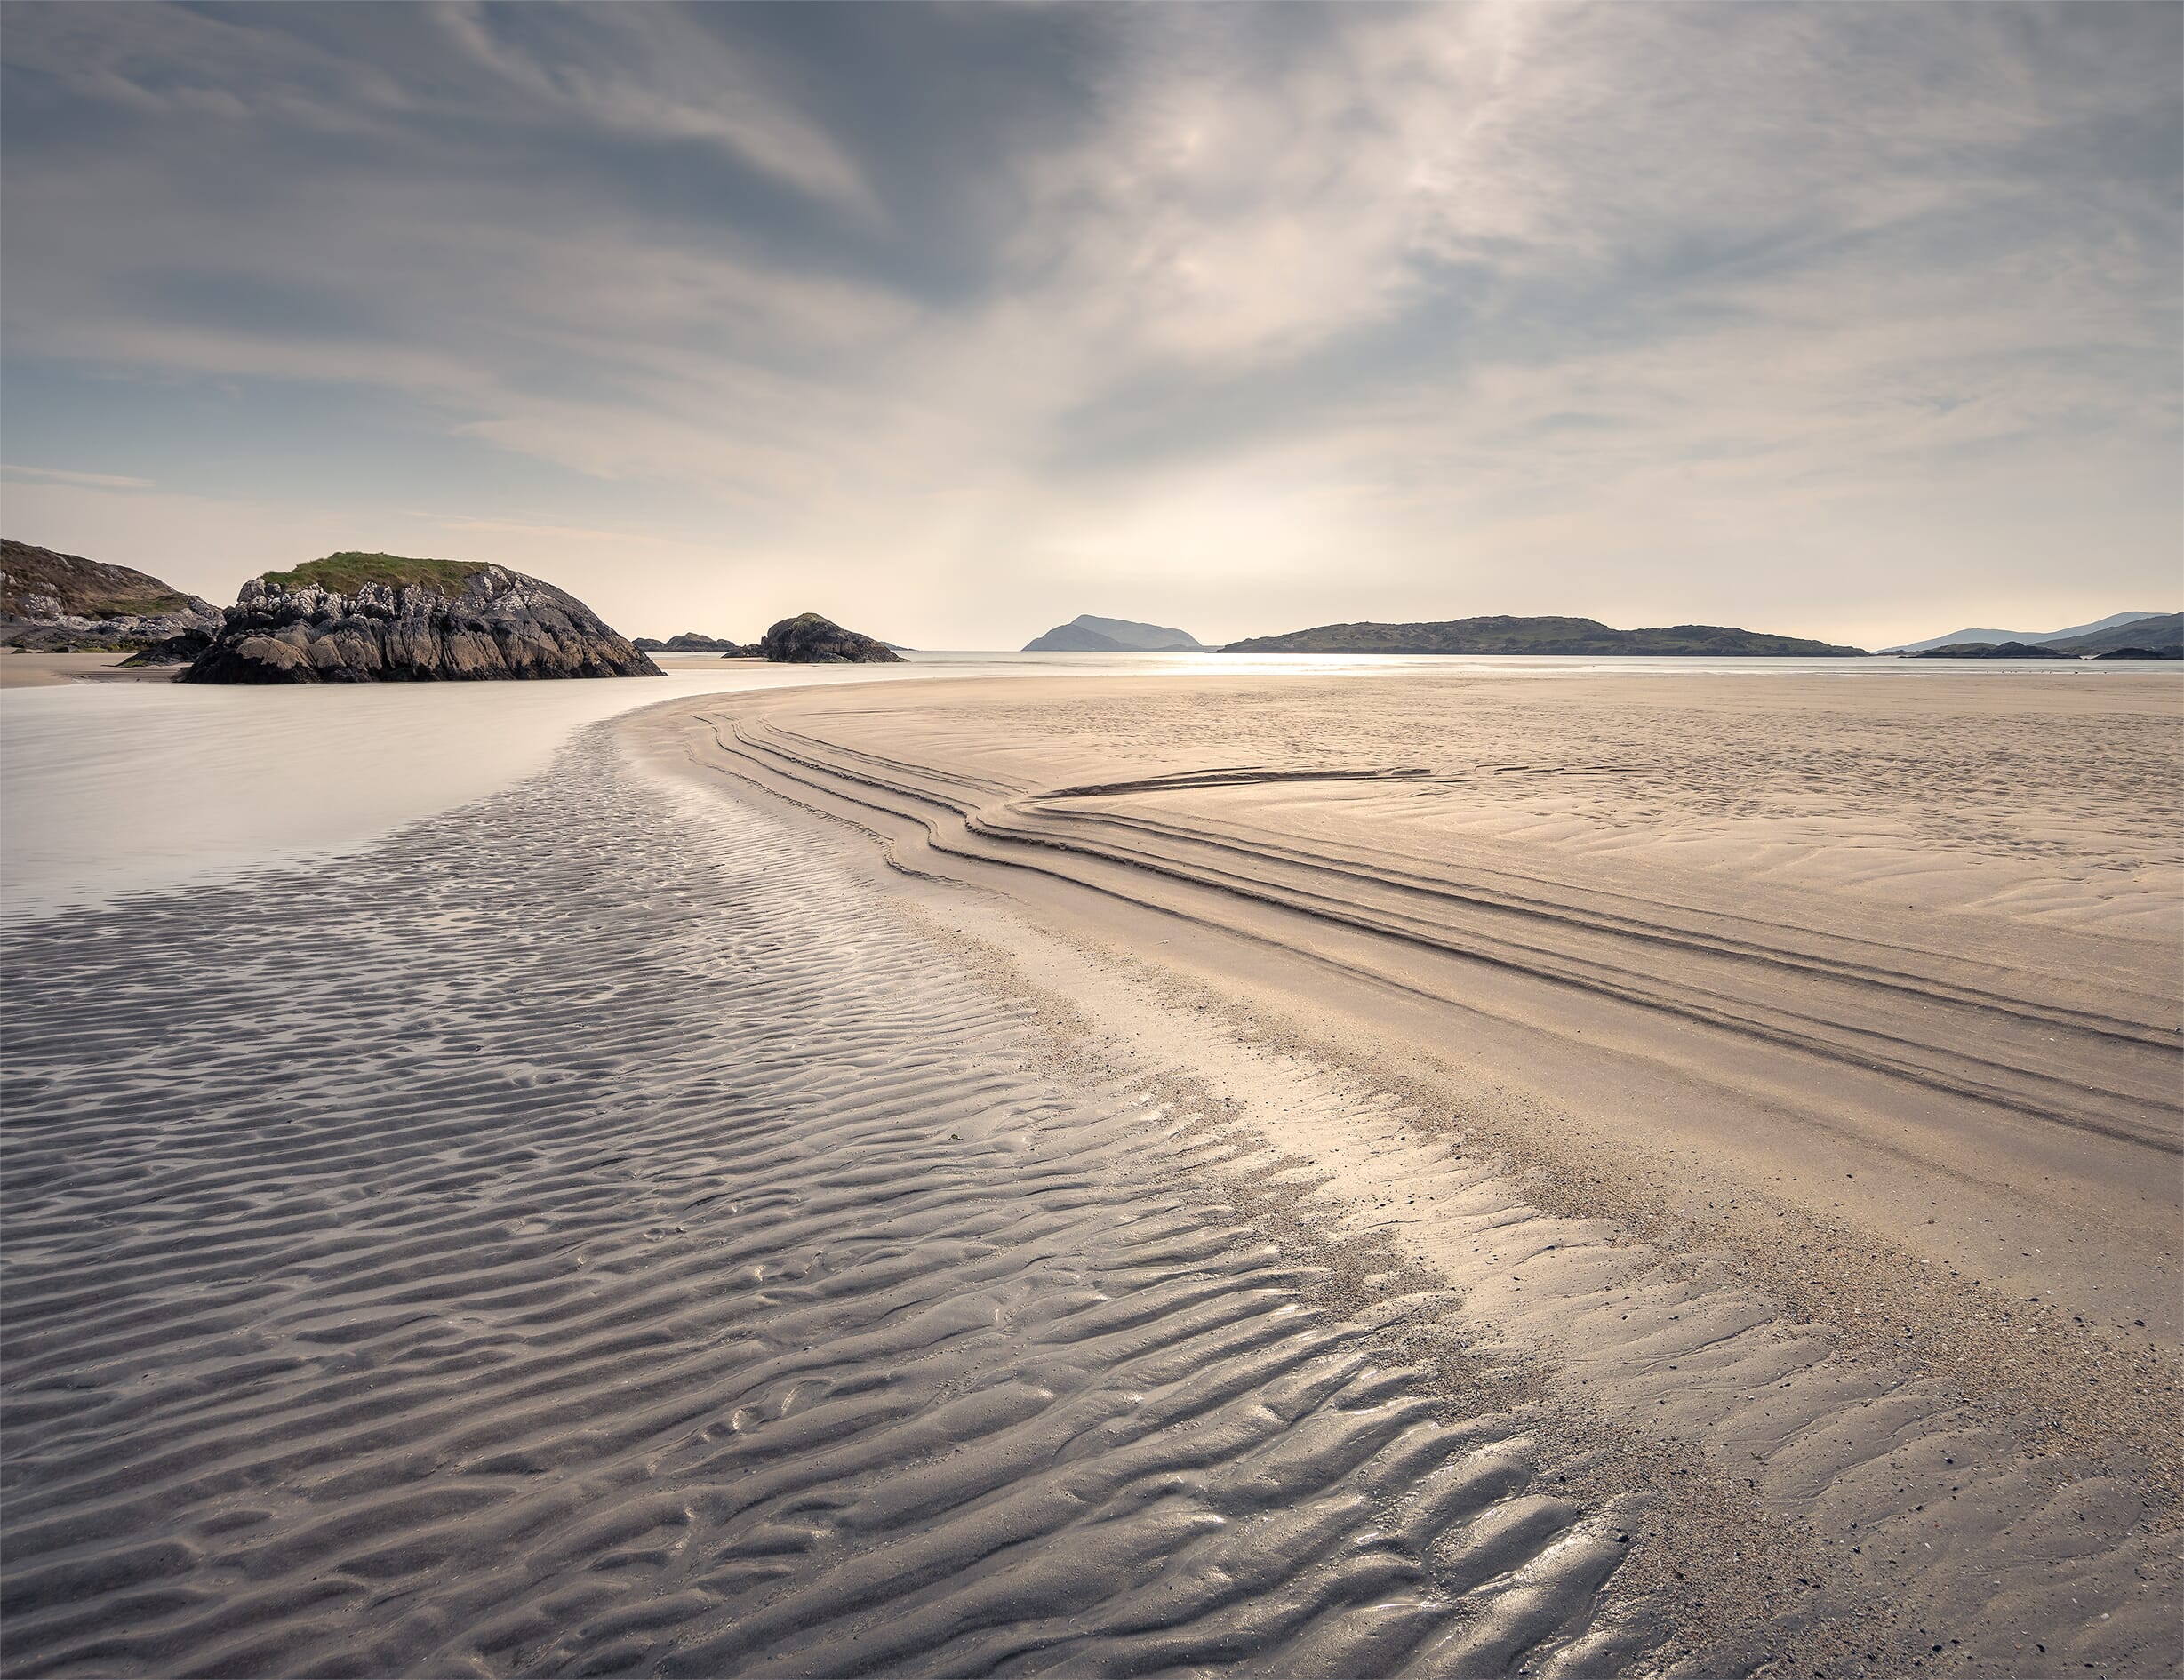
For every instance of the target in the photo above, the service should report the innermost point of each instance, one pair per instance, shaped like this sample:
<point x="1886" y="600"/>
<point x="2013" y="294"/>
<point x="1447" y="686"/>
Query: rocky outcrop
<point x="808" y="639"/>
<point x="176" y="650"/>
<point x="52" y="603"/>
<point x="689" y="642"/>
<point x="407" y="621"/>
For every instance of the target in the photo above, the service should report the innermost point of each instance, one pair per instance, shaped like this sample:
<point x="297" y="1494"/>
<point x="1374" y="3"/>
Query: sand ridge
<point x="1861" y="1351"/>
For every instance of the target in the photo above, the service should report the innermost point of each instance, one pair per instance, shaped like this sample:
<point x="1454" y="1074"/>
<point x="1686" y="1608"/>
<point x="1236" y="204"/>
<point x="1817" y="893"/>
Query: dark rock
<point x="2142" y="653"/>
<point x="407" y="621"/>
<point x="52" y="603"/>
<point x="176" y="650"/>
<point x="808" y="639"/>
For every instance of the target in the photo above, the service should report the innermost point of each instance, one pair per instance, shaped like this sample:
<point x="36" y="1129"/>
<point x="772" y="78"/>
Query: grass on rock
<point x="346" y="572"/>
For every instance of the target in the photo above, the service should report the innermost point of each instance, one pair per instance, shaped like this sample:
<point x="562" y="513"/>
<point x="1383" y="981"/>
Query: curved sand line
<point x="1944" y="1419"/>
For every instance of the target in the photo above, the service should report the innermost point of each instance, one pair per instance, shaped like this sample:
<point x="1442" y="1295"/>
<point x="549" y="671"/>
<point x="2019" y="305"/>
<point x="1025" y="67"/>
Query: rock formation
<point x="369" y="618"/>
<point x="175" y="649"/>
<point x="808" y="639"/>
<point x="54" y="603"/>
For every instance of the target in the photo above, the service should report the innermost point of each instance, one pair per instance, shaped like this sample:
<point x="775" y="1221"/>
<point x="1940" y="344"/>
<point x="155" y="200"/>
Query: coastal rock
<point x="359" y="617"/>
<point x="54" y="603"/>
<point x="175" y="649"/>
<point x="809" y="639"/>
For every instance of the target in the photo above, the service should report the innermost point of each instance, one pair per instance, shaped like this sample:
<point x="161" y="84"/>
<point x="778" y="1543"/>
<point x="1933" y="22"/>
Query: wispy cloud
<point x="1835" y="317"/>
<point x="56" y="475"/>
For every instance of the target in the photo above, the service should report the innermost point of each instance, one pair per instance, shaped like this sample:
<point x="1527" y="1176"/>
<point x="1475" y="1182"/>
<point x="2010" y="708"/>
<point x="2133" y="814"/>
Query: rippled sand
<point x="1789" y="1064"/>
<point x="621" y="1226"/>
<point x="591" y="1234"/>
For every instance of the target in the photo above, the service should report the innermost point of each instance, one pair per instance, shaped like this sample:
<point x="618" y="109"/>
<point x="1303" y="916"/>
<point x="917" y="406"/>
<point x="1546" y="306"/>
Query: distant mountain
<point x="1086" y="634"/>
<point x="1534" y="636"/>
<point x="1958" y="637"/>
<point x="2156" y="632"/>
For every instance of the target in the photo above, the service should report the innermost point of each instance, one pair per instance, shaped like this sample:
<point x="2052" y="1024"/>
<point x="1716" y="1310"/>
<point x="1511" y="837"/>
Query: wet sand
<point x="1232" y="1223"/>
<point x="45" y="670"/>
<point x="592" y="1233"/>
<point x="1789" y="1065"/>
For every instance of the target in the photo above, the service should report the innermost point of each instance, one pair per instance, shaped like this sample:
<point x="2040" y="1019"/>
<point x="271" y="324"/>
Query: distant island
<point x="2153" y="635"/>
<point x="689" y="642"/>
<point x="355" y="617"/>
<point x="1087" y="634"/>
<point x="1502" y="635"/>
<point x="1958" y="638"/>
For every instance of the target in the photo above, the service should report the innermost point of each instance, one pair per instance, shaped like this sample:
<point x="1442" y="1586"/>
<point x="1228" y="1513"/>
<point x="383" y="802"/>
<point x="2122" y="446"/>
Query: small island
<point x="809" y="639"/>
<point x="1089" y="634"/>
<point x="1504" y="634"/>
<point x="355" y="617"/>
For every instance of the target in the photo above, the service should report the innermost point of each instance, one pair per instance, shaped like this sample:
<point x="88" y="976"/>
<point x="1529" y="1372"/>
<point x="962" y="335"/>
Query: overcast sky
<point x="952" y="322"/>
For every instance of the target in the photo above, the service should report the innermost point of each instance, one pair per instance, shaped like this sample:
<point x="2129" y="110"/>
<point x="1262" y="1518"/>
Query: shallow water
<point x="587" y="1234"/>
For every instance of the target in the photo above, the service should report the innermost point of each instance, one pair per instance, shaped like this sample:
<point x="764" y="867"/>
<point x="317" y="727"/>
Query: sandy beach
<point x="1789" y="1063"/>
<point x="1440" y="1172"/>
<point x="46" y="670"/>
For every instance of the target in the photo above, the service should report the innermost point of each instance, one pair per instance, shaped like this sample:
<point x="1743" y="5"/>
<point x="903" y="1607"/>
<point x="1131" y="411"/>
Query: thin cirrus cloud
<point x="957" y="321"/>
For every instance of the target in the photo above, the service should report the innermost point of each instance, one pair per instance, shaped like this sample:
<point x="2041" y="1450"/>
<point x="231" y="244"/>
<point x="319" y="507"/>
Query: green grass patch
<point x="346" y="572"/>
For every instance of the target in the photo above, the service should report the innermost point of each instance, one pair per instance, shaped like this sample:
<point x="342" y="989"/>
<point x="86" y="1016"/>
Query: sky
<point x="953" y="322"/>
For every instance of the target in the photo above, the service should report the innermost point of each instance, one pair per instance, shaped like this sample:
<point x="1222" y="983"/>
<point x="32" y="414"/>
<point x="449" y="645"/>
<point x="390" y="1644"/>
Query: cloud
<point x="1261" y="314"/>
<point x="56" y="475"/>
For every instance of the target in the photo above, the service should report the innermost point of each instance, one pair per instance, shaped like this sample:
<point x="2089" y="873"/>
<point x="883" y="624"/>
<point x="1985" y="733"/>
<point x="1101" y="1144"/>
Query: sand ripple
<point x="579" y="1236"/>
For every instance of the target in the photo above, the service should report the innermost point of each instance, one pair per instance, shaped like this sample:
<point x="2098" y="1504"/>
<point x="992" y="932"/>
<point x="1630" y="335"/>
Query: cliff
<point x="1503" y="635"/>
<point x="52" y="603"/>
<point x="376" y="617"/>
